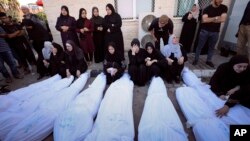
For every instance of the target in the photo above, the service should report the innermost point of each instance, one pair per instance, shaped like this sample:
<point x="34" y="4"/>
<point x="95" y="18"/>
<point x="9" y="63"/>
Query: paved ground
<point x="140" y="93"/>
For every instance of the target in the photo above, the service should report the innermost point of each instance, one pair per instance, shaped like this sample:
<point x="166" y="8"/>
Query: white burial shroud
<point x="236" y="115"/>
<point x="115" y="117"/>
<point x="206" y="126"/>
<point x="40" y="124"/>
<point x="77" y="121"/>
<point x="13" y="97"/>
<point x="160" y="121"/>
<point x="21" y="109"/>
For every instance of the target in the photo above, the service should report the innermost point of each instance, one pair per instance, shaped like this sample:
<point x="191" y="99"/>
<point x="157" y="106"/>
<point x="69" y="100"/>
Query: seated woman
<point x="75" y="63"/>
<point x="175" y="57"/>
<point x="113" y="64"/>
<point x="155" y="61"/>
<point x="137" y="68"/>
<point x="231" y="82"/>
<point x="56" y="62"/>
<point x="46" y="52"/>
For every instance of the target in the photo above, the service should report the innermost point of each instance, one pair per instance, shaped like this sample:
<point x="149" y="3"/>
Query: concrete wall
<point x="129" y="27"/>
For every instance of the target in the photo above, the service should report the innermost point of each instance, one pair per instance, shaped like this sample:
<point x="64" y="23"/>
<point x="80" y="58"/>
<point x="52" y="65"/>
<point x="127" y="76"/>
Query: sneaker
<point x="18" y="76"/>
<point x="209" y="63"/>
<point x="195" y="62"/>
<point x="8" y="80"/>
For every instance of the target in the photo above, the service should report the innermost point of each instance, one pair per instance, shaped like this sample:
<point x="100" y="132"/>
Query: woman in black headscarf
<point x="137" y="68"/>
<point x="57" y="61"/>
<point x="75" y="63"/>
<point x="67" y="26"/>
<point x="232" y="81"/>
<point x="155" y="61"/>
<point x="112" y="25"/>
<point x="113" y="64"/>
<point x="98" y="35"/>
<point x="85" y="28"/>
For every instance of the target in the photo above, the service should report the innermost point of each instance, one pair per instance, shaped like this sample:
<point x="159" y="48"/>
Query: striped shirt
<point x="4" y="46"/>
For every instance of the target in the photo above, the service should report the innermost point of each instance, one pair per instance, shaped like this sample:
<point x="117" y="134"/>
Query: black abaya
<point x="188" y="32"/>
<point x="113" y="22"/>
<point x="137" y="68"/>
<point x="113" y="61"/>
<point x="98" y="38"/>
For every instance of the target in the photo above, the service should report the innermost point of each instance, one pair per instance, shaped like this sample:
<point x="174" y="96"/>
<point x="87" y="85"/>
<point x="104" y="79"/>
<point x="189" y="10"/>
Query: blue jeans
<point x="205" y="36"/>
<point x="9" y="59"/>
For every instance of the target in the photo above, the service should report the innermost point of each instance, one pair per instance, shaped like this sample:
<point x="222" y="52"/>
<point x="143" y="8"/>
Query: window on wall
<point x="130" y="9"/>
<point x="183" y="6"/>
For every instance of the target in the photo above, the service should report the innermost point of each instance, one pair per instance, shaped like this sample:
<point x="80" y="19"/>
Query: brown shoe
<point x="8" y="80"/>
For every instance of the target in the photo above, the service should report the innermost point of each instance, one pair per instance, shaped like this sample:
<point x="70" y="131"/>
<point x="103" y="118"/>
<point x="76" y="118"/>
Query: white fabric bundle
<point x="206" y="126"/>
<point x="40" y="124"/>
<point x="14" y="96"/>
<point x="190" y="78"/>
<point x="21" y="109"/>
<point x="77" y="121"/>
<point x="160" y="121"/>
<point x="115" y="117"/>
<point x="236" y="115"/>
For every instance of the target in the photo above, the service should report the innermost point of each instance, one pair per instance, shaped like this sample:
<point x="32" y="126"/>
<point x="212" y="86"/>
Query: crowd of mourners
<point x="101" y="39"/>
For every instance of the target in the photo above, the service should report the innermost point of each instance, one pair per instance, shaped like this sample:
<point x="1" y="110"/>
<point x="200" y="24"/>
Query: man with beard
<point x="212" y="17"/>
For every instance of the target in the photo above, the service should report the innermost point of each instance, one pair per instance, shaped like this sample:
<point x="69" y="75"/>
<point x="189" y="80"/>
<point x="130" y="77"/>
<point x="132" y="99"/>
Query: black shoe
<point x="195" y="62"/>
<point x="209" y="63"/>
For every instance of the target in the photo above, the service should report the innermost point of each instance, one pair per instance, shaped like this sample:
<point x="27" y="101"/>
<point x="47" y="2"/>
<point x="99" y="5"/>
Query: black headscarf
<point x="28" y="22"/>
<point x="135" y="41"/>
<point x="76" y="50"/>
<point x="58" y="47"/>
<point x="111" y="7"/>
<point x="116" y="57"/>
<point x="238" y="59"/>
<point x="80" y="22"/>
<point x="98" y="20"/>
<point x="225" y="78"/>
<point x="67" y="9"/>
<point x="155" y="53"/>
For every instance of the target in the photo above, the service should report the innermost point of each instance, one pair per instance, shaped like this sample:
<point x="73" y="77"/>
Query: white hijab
<point x="196" y="12"/>
<point x="47" y="50"/>
<point x="172" y="48"/>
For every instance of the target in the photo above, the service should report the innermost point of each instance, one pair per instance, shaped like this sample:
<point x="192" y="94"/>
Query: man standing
<point x="6" y="56"/>
<point x="161" y="28"/>
<point x="27" y="15"/>
<point x="244" y="33"/>
<point x="212" y="17"/>
<point x="16" y="42"/>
